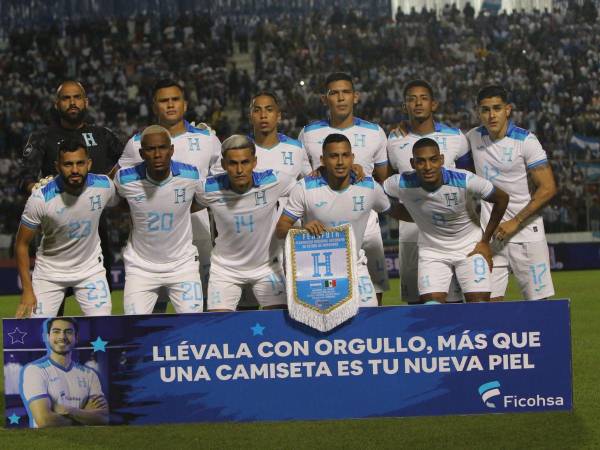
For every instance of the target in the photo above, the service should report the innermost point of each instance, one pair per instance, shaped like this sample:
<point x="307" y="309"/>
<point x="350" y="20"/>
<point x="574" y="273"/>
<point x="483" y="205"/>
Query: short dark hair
<point x="335" y="137"/>
<point x="338" y="76"/>
<point x="417" y="83"/>
<point x="492" y="90"/>
<point x="424" y="142"/>
<point x="48" y="323"/>
<point x="72" y="144"/>
<point x="166" y="83"/>
<point x="264" y="94"/>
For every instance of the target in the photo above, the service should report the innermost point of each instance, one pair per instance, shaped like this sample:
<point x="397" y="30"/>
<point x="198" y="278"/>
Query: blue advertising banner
<point x="252" y="366"/>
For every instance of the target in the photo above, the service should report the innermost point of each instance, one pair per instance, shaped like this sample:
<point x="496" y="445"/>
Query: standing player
<point x="507" y="155"/>
<point x="449" y="241"/>
<point x="41" y="151"/>
<point x="56" y="390"/>
<point x="368" y="142"/>
<point x="244" y="206"/>
<point x="195" y="146"/>
<point x="334" y="198"/>
<point x="420" y="105"/>
<point x="274" y="150"/>
<point x="160" y="252"/>
<point x="67" y="210"/>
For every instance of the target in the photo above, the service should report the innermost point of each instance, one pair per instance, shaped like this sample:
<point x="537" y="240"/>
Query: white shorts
<point x="366" y="289"/>
<point x="530" y="262"/>
<point x="225" y="289"/>
<point x="183" y="288"/>
<point x="408" y="260"/>
<point x="472" y="273"/>
<point x="373" y="247"/>
<point x="91" y="292"/>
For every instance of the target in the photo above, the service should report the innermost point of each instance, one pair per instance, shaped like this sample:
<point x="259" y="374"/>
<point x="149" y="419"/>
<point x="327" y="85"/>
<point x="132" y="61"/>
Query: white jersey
<point x="70" y="247"/>
<point x="288" y="157"/>
<point x="71" y="386"/>
<point x="161" y="235"/>
<point x="368" y="142"/>
<point x="505" y="163"/>
<point x="196" y="147"/>
<point x="245" y="222"/>
<point x="453" y="145"/>
<point x="313" y="199"/>
<point x="445" y="226"/>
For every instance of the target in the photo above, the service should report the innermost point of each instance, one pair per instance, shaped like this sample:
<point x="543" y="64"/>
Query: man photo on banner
<point x="244" y="204"/>
<point x="68" y="211"/>
<point x="450" y="242"/>
<point x="56" y="390"/>
<point x="335" y="197"/>
<point x="160" y="252"/>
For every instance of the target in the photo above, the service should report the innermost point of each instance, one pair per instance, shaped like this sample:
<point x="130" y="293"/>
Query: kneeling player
<point x="335" y="197"/>
<point x="244" y="206"/>
<point x="67" y="210"/>
<point x="160" y="252"/>
<point x="449" y="242"/>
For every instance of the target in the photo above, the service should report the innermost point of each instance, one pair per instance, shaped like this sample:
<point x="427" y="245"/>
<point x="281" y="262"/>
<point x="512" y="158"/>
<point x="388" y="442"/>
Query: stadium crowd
<point x="547" y="60"/>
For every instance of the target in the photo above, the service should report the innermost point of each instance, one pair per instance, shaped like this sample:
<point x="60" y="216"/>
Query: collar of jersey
<point x="511" y="126"/>
<point x="354" y="123"/>
<point x="174" y="172"/>
<point x="352" y="181"/>
<point x="251" y="137"/>
<point x="60" y="186"/>
<point x="437" y="127"/>
<point x="58" y="366"/>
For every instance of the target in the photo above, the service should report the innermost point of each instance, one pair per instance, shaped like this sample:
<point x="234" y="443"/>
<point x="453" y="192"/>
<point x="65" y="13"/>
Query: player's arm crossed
<point x="45" y="416"/>
<point x="499" y="198"/>
<point x="28" y="301"/>
<point x="95" y="411"/>
<point x="545" y="189"/>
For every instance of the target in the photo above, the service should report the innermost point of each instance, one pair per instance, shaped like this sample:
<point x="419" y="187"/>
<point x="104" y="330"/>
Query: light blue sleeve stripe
<point x="290" y="215"/>
<point x="37" y="397"/>
<point x="382" y="163"/>
<point x="487" y="197"/>
<point x="33" y="226"/>
<point x="537" y="163"/>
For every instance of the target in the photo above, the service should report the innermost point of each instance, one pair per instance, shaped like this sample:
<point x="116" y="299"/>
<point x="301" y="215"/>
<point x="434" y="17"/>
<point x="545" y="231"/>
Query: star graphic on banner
<point x="14" y="419"/>
<point x="17" y="336"/>
<point x="257" y="329"/>
<point x="99" y="345"/>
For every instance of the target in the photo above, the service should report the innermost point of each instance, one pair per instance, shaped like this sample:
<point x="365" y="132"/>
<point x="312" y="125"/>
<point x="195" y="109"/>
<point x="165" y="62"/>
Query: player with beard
<point x="67" y="210"/>
<point x="41" y="151"/>
<point x="56" y="390"/>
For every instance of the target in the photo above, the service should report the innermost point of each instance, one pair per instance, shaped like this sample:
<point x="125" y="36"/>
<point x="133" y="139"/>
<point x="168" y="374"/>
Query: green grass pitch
<point x="580" y="429"/>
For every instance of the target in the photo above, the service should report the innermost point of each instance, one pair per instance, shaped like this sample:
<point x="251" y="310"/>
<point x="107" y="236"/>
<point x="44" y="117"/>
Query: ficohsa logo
<point x="488" y="391"/>
<point x="491" y="396"/>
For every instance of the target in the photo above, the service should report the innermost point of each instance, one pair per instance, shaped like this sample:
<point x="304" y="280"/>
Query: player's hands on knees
<point x="483" y="248"/>
<point x="315" y="228"/>
<point x="358" y="171"/>
<point x="42" y="182"/>
<point x="400" y="130"/>
<point x="506" y="229"/>
<point x="27" y="305"/>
